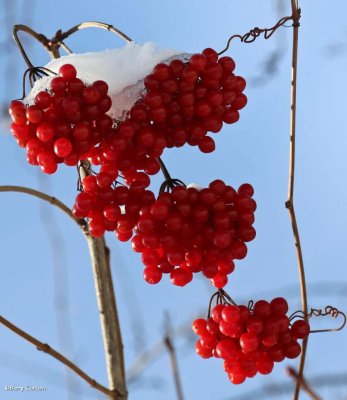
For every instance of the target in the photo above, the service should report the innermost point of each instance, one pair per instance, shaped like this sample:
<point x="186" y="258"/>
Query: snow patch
<point x="123" y="69"/>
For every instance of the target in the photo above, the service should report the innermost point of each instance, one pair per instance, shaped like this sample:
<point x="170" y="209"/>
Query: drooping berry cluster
<point x="250" y="340"/>
<point x="65" y="122"/>
<point x="182" y="232"/>
<point x="188" y="231"/>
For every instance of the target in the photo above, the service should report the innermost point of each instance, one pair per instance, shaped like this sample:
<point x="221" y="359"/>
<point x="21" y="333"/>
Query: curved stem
<point x="45" y="197"/>
<point x="38" y="36"/>
<point x="92" y="24"/>
<point x="290" y="201"/>
<point x="58" y="356"/>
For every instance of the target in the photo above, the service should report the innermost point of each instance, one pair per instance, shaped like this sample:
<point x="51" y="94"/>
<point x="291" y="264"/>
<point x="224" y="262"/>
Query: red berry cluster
<point x="65" y="122"/>
<point x="250" y="340"/>
<point x="188" y="231"/>
<point x="182" y="232"/>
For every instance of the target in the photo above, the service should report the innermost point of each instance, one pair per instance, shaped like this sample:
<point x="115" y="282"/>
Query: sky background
<point x="46" y="284"/>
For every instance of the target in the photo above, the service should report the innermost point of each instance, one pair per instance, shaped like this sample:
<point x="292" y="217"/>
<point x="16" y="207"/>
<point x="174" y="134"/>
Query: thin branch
<point x="112" y="337"/>
<point x="49" y="350"/>
<point x="290" y="201"/>
<point x="304" y="384"/>
<point x="43" y="196"/>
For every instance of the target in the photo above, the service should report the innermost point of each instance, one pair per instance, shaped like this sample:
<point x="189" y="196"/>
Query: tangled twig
<point x="318" y="312"/>
<point x="250" y="36"/>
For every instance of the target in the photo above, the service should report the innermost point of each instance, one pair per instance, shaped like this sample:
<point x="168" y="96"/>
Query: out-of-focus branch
<point x="304" y="384"/>
<point x="173" y="358"/>
<point x="58" y="356"/>
<point x="279" y="389"/>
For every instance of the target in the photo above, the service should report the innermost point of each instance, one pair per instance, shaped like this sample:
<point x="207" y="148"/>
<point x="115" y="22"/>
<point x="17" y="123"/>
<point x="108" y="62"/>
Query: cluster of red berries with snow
<point x="65" y="122"/>
<point x="189" y="231"/>
<point x="250" y="339"/>
<point x="181" y="232"/>
<point x="181" y="104"/>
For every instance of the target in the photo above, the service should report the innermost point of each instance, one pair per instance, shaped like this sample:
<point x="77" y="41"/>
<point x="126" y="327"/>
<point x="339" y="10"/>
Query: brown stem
<point x="49" y="350"/>
<point x="290" y="201"/>
<point x="113" y="345"/>
<point x="304" y="384"/>
<point x="45" y="197"/>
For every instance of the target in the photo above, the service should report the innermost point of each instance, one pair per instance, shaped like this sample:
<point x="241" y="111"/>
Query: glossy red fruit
<point x="300" y="329"/>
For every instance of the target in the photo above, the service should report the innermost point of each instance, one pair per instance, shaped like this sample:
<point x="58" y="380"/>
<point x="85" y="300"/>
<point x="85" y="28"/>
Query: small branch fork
<point x="58" y="356"/>
<point x="169" y="183"/>
<point x="52" y="45"/>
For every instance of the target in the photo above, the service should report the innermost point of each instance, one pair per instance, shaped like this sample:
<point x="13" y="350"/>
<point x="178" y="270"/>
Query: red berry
<point x="62" y="147"/>
<point x="67" y="72"/>
<point x="249" y="342"/>
<point x="300" y="329"/>
<point x="152" y="275"/>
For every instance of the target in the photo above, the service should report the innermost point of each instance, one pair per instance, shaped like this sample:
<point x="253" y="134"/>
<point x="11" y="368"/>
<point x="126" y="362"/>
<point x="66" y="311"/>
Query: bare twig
<point x="43" y="196"/>
<point x="113" y="344"/>
<point x="304" y="384"/>
<point x="49" y="350"/>
<point x="290" y="201"/>
<point x="173" y="358"/>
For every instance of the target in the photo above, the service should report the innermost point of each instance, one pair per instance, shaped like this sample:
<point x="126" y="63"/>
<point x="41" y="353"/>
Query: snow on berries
<point x="249" y="339"/>
<point x="66" y="121"/>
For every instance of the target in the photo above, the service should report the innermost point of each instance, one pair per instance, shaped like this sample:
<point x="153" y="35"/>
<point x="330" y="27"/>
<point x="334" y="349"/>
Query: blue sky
<point x="254" y="150"/>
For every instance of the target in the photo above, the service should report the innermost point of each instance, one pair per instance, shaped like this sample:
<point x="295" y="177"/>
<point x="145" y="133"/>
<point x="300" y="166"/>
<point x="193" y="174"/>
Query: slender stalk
<point x="58" y="356"/>
<point x="43" y="196"/>
<point x="290" y="201"/>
